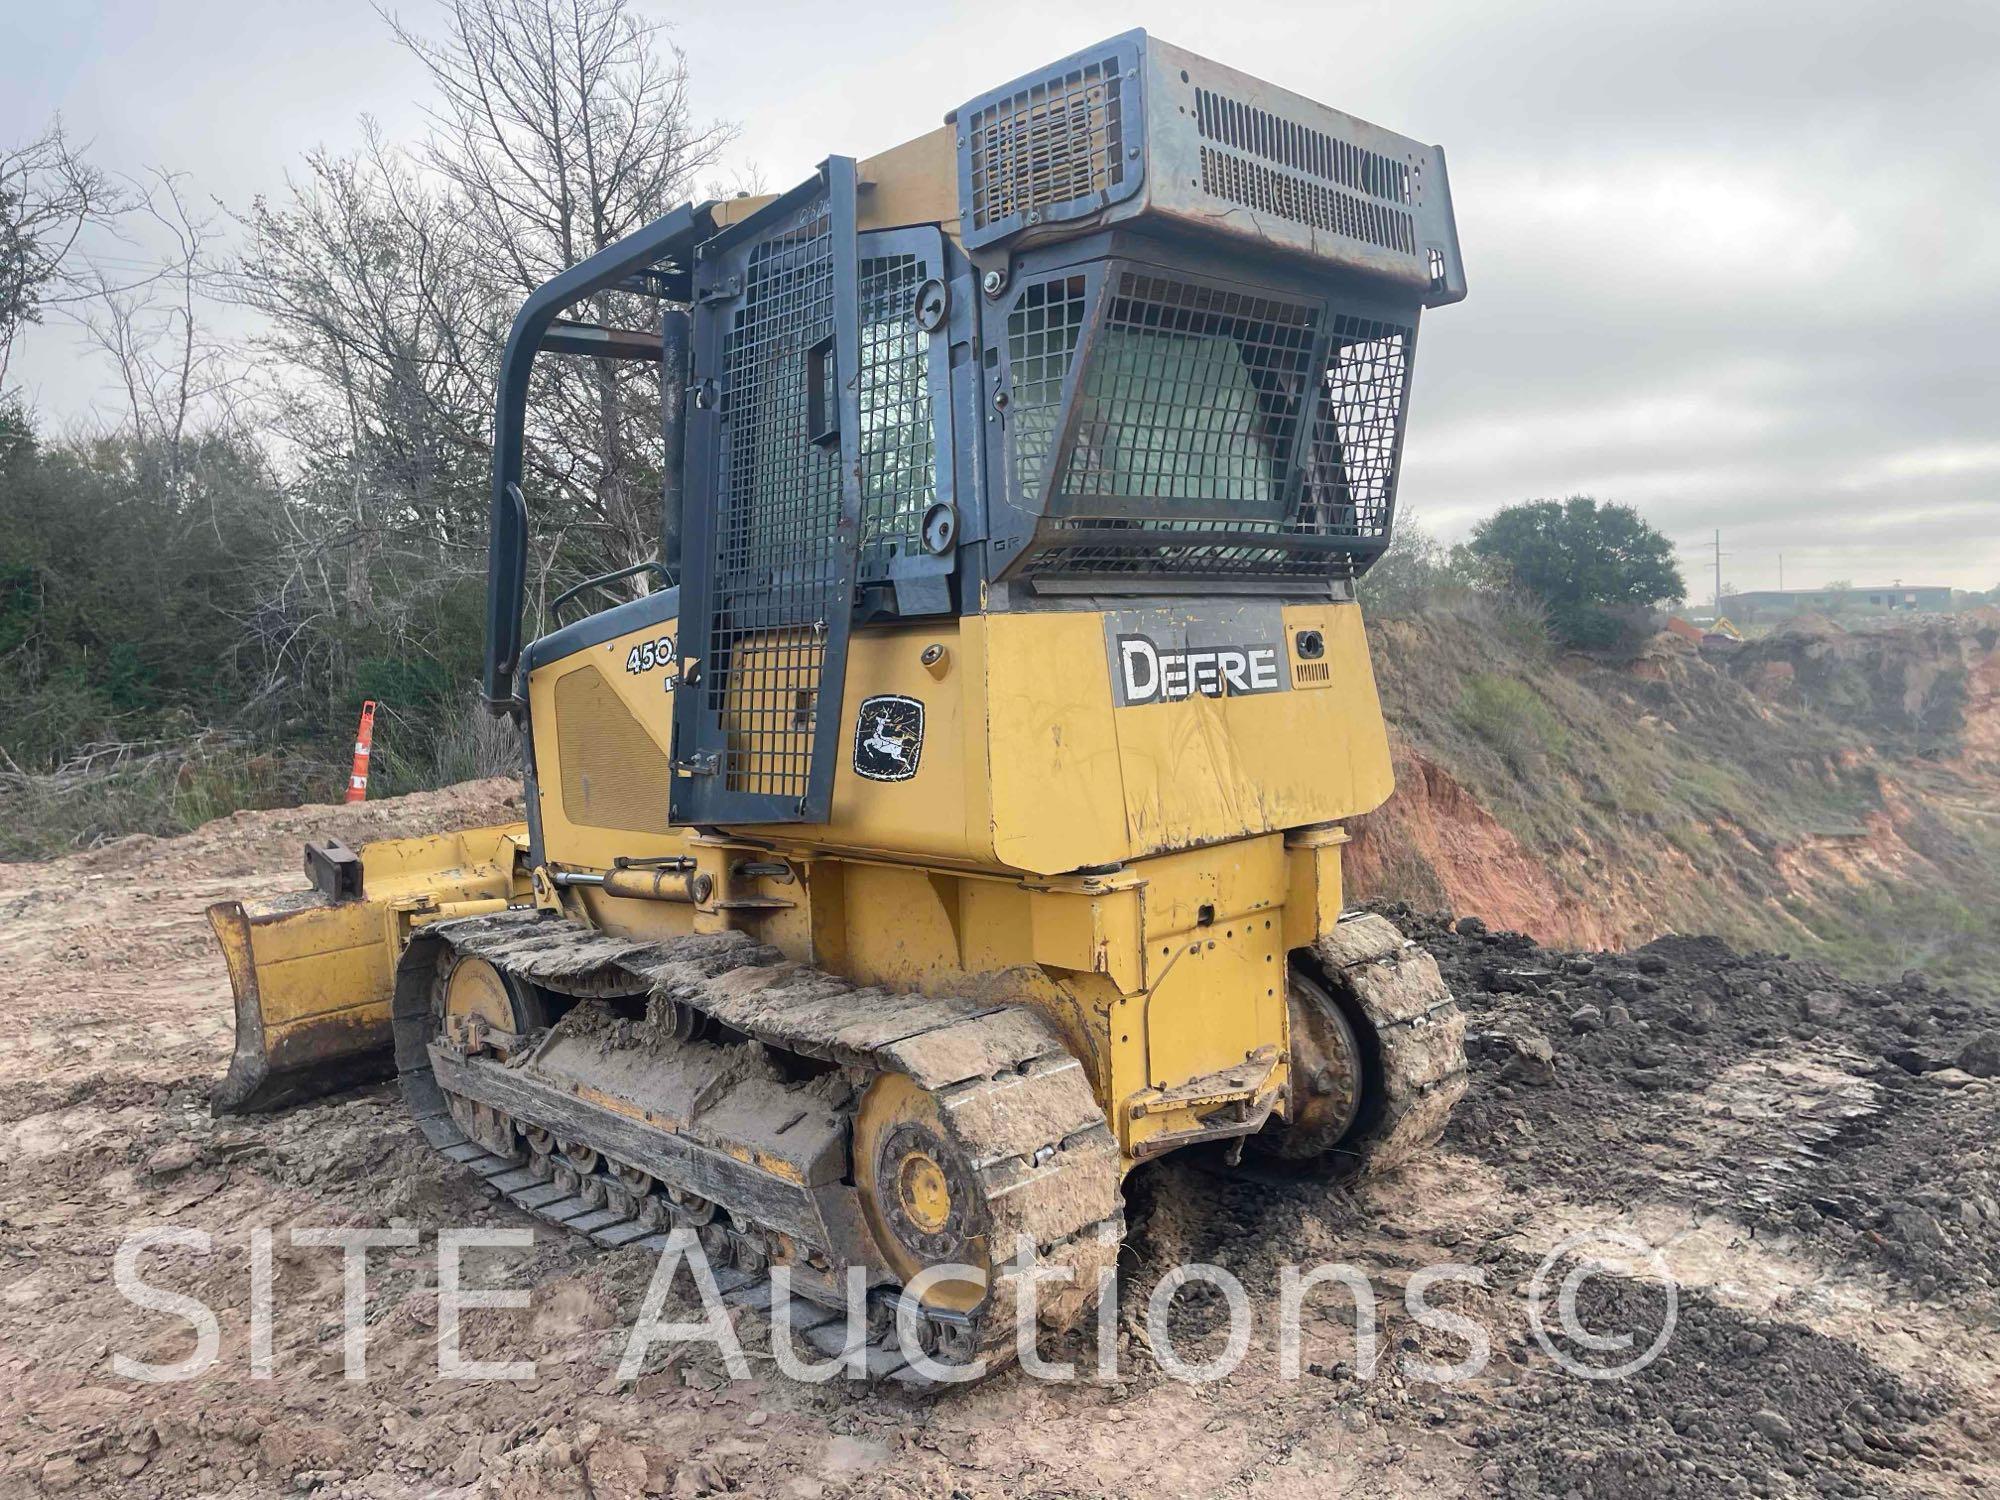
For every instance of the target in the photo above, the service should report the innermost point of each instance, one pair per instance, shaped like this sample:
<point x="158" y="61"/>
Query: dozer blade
<point x="314" y="972"/>
<point x="312" y="978"/>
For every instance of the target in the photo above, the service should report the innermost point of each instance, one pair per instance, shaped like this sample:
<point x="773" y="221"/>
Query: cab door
<point x="772" y="520"/>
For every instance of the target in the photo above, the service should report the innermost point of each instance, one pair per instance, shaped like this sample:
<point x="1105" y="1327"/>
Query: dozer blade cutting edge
<point x="313" y="972"/>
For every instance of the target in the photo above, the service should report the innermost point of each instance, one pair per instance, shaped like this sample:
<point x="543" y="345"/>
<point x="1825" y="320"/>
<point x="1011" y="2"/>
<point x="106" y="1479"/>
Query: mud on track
<point x="1815" y="1160"/>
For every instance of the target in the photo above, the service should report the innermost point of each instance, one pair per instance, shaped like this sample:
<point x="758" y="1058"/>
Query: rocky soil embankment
<point x="1832" y="792"/>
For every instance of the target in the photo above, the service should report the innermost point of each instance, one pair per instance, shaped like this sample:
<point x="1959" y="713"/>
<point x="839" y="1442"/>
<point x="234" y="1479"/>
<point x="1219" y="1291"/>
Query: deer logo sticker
<point x="888" y="737"/>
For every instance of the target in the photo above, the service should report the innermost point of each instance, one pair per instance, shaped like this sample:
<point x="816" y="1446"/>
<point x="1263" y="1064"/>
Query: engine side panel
<point x="1028" y="742"/>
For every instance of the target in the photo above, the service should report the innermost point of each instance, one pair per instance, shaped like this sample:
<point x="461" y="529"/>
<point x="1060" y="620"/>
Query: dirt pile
<point x="1806" y="1152"/>
<point x="1852" y="1117"/>
<point x="1740" y="1400"/>
<point x="1736" y="1405"/>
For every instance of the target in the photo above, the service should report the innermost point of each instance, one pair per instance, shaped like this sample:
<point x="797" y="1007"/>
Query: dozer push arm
<point x="313" y="972"/>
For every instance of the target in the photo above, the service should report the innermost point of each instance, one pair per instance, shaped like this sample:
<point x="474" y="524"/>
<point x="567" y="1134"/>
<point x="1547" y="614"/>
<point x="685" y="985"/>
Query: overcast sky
<point x="1735" y="263"/>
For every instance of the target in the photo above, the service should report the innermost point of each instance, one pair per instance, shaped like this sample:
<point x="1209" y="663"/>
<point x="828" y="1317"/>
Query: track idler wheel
<point x="1329" y="1074"/>
<point x="1378" y="1052"/>
<point x="920" y="1196"/>
<point x="474" y="998"/>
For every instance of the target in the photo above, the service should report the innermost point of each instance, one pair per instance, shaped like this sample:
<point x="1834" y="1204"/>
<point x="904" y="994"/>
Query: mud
<point x="1850" y="1349"/>
<point x="1854" y="1119"/>
<point x="1737" y="1405"/>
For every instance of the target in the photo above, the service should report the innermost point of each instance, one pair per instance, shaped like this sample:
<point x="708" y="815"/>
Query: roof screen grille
<point x="1299" y="148"/>
<point x="1306" y="200"/>
<point x="1059" y="140"/>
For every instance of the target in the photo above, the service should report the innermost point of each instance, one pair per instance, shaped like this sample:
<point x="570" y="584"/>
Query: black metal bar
<point x="1099" y="283"/>
<point x="840" y="176"/>
<point x="676" y="341"/>
<point x="769" y="562"/>
<point x="507" y="556"/>
<point x="606" y="343"/>
<point x="616" y="574"/>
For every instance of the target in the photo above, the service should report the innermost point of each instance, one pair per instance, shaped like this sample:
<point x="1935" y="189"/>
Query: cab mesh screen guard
<point x="1211" y="429"/>
<point x="773" y="439"/>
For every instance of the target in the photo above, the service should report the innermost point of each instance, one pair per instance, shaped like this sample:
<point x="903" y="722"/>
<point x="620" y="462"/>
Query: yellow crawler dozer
<point x="958" y="826"/>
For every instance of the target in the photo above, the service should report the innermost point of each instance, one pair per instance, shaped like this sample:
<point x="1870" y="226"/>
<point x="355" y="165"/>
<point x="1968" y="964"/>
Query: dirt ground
<point x="1814" y="1162"/>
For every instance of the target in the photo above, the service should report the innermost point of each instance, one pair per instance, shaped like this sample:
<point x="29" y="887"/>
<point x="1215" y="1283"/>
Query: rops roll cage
<point x="655" y="262"/>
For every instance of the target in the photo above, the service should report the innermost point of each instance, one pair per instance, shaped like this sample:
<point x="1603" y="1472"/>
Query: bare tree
<point x="562" y="126"/>
<point x="387" y="331"/>
<point x="49" y="195"/>
<point x="387" y="279"/>
<point x="175" y="377"/>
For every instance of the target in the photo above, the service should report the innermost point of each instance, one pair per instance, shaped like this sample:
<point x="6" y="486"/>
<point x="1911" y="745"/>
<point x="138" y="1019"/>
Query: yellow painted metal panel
<point x="1077" y="781"/>
<point x="1218" y="1000"/>
<point x="1026" y="761"/>
<point x="938" y="815"/>
<point x="1163" y="974"/>
<point x="925" y="816"/>
<point x="304" y="990"/>
<point x="447" y="866"/>
<point x="332" y="959"/>
<point x="1214" y="942"/>
<point x="613" y="771"/>
<point x="1314" y="894"/>
<point x="647" y="694"/>
<point x="313" y="978"/>
<point x="1051" y="747"/>
<point x="903" y="927"/>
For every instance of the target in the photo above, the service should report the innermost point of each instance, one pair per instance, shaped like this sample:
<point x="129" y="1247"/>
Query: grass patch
<point x="164" y="787"/>
<point x="1511" y="718"/>
<point x="416" y="752"/>
<point x="1881" y="931"/>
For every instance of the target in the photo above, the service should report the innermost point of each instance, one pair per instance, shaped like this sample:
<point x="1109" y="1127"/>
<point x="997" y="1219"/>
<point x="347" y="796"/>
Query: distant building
<point x="1768" y="604"/>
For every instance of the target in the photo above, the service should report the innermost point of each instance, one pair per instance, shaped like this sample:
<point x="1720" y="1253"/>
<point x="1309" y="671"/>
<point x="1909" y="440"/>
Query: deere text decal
<point x="1151" y="673"/>
<point x="1172" y="654"/>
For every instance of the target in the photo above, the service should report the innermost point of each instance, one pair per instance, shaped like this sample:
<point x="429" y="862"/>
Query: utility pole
<point x="1719" y="555"/>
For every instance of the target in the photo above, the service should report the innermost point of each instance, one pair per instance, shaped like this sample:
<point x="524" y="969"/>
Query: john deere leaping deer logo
<point x="888" y="737"/>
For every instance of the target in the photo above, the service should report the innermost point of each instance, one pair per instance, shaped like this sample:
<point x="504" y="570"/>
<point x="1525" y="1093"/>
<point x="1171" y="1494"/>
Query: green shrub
<point x="1598" y="568"/>
<point x="1592" y="627"/>
<point x="1510" y="717"/>
<point x="1419" y="578"/>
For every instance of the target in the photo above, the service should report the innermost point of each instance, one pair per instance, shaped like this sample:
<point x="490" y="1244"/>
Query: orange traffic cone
<point x="364" y="738"/>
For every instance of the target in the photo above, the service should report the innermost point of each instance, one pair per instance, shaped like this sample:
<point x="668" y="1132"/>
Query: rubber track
<point x="1017" y="1102"/>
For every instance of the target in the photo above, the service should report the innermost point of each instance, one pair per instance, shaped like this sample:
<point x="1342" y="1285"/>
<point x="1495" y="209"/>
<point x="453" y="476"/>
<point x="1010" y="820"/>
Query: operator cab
<point x="1133" y="329"/>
